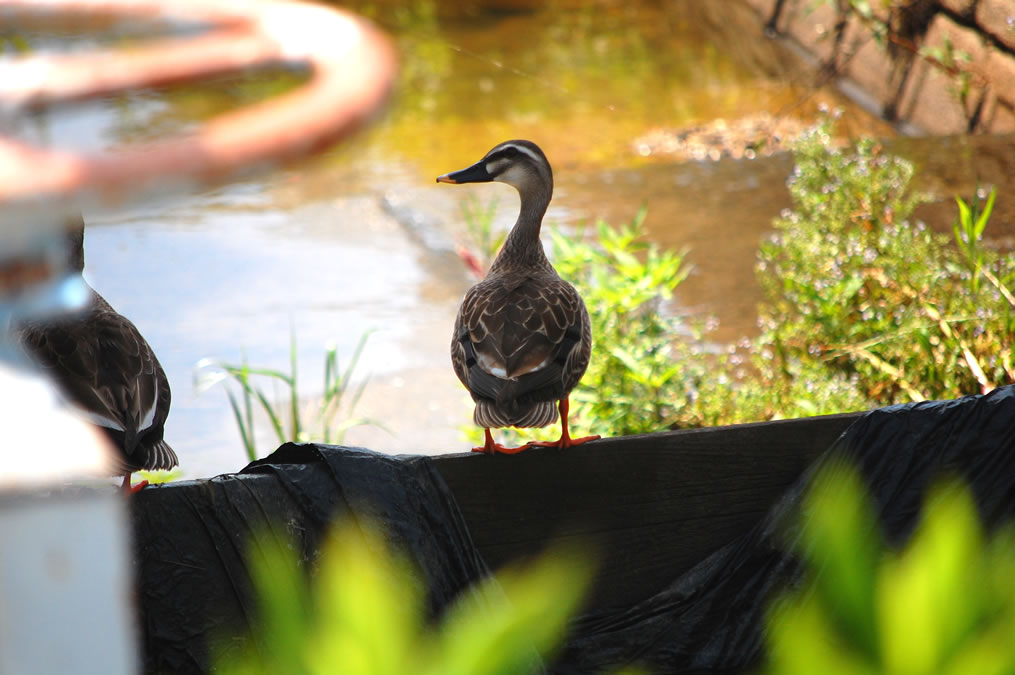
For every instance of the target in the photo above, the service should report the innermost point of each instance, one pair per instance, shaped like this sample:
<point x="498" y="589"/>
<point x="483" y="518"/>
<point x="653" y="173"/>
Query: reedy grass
<point x="334" y="416"/>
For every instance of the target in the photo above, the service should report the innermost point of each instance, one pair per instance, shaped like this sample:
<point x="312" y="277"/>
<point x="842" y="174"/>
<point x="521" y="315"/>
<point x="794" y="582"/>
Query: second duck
<point x="522" y="338"/>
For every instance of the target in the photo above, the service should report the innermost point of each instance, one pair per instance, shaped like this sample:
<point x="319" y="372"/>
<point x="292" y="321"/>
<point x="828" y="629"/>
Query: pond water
<point x="362" y="238"/>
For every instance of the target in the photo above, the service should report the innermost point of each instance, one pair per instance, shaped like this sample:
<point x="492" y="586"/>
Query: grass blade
<point x="294" y="399"/>
<point x="245" y="431"/>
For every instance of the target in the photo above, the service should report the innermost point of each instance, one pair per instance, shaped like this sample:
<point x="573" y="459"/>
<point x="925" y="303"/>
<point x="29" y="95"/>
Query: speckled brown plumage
<point x="109" y="372"/>
<point x="522" y="338"/>
<point x="530" y="325"/>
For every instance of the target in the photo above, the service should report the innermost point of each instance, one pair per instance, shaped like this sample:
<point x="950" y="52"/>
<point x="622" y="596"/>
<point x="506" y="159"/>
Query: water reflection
<point x="359" y="239"/>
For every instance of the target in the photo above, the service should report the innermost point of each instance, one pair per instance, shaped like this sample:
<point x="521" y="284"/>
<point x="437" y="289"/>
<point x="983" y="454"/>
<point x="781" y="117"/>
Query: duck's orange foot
<point x="564" y="442"/>
<point x="497" y="448"/>
<point x="129" y="489"/>
<point x="493" y="448"/>
<point x="134" y="489"/>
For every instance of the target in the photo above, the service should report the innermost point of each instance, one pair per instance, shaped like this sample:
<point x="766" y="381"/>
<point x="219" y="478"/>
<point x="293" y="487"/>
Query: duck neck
<point x="522" y="245"/>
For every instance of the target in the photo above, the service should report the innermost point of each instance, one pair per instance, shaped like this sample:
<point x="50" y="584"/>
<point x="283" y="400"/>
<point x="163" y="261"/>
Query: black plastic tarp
<point x="191" y="538"/>
<point x="711" y="617"/>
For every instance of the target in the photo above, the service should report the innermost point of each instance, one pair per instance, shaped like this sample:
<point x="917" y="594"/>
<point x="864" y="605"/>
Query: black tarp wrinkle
<point x="239" y="594"/>
<point x="281" y="464"/>
<point x="241" y="531"/>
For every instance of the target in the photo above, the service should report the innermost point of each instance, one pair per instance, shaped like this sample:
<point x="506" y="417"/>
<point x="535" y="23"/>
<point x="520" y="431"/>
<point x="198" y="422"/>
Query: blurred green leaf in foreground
<point x="362" y="613"/>
<point x="945" y="603"/>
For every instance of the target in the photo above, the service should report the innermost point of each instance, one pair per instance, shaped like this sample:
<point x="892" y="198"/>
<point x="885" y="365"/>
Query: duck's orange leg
<point x="129" y="489"/>
<point x="491" y="447"/>
<point x="565" y="440"/>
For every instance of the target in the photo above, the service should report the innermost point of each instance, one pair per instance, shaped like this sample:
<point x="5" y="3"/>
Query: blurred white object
<point x="65" y="579"/>
<point x="65" y="583"/>
<point x="43" y="443"/>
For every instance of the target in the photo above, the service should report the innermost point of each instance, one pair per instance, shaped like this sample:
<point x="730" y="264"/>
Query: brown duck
<point x="108" y="372"/>
<point x="522" y="338"/>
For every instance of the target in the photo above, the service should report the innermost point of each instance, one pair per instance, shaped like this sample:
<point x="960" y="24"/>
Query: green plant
<point x="758" y="380"/>
<point x="968" y="230"/>
<point x="945" y="603"/>
<point x="332" y="418"/>
<point x="862" y="308"/>
<point x="479" y="221"/>
<point x="955" y="63"/>
<point x="362" y="613"/>
<point x="644" y="372"/>
<point x="881" y="305"/>
<point x="485" y="242"/>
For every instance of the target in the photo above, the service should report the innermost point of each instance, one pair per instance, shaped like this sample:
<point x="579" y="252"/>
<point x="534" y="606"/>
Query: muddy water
<point x="362" y="239"/>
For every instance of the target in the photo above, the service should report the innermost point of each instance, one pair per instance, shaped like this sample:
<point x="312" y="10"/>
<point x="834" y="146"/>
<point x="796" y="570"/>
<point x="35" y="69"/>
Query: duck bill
<point x="476" y="173"/>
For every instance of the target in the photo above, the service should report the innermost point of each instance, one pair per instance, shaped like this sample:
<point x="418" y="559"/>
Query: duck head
<point x="520" y="164"/>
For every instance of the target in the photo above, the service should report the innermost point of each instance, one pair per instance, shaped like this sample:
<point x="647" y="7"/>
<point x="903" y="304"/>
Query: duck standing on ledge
<point x="522" y="338"/>
<point x="109" y="373"/>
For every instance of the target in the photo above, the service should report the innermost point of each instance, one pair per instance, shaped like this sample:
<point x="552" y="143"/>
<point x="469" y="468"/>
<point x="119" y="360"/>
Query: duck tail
<point x="160" y="456"/>
<point x="489" y="414"/>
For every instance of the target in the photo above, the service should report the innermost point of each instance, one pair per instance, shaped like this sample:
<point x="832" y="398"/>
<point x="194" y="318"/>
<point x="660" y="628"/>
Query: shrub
<point x="882" y="304"/>
<point x="647" y="362"/>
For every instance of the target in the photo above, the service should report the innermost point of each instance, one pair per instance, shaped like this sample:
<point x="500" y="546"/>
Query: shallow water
<point x="362" y="239"/>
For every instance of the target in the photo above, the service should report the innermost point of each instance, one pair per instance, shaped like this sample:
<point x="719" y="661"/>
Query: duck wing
<point x="515" y="338"/>
<point x="109" y="371"/>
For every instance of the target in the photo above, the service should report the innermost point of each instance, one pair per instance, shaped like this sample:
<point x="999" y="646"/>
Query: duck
<point x="108" y="373"/>
<point x="522" y="338"/>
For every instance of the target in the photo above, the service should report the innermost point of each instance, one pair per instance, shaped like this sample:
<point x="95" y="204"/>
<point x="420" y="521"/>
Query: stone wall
<point x="907" y="72"/>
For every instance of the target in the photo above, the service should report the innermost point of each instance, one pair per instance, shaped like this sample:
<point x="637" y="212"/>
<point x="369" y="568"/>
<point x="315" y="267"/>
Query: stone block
<point x="960" y="7"/>
<point x="929" y="98"/>
<point x="870" y="66"/>
<point x="929" y="102"/>
<point x="764" y="8"/>
<point x="813" y="26"/>
<point x="963" y="39"/>
<point x="1000" y="74"/>
<point x="999" y="117"/>
<point x="997" y="17"/>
